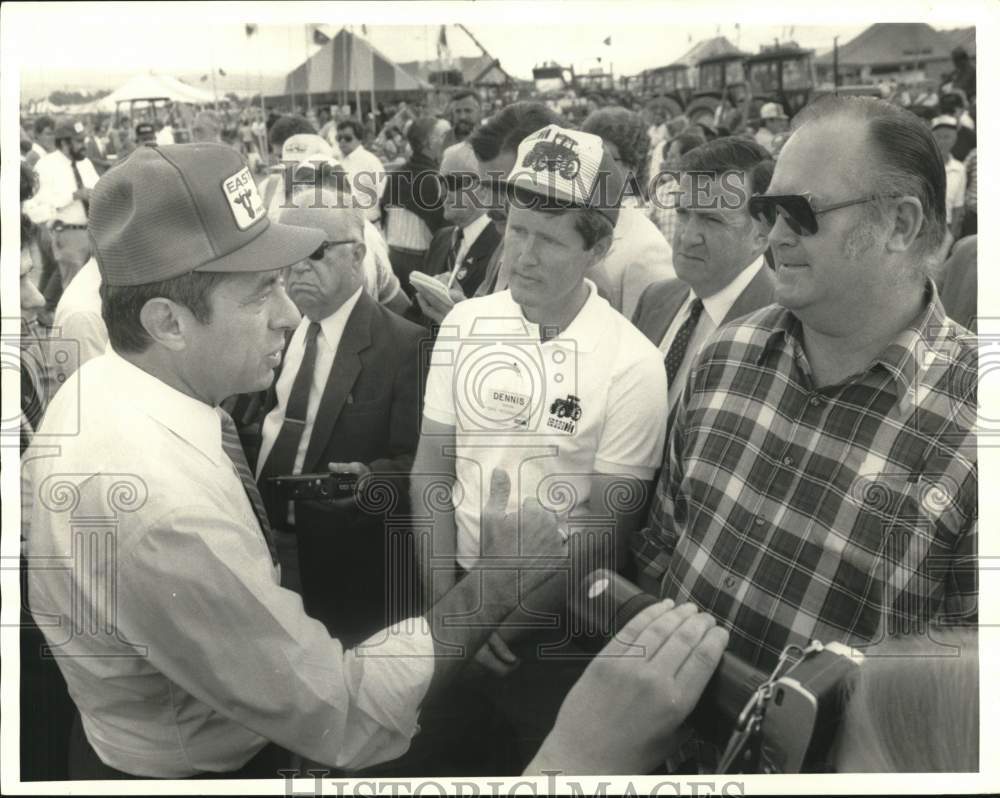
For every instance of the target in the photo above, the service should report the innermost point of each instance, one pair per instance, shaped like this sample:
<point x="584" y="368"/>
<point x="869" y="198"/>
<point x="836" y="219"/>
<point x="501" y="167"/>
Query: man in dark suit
<point x="346" y="400"/>
<point x="467" y="243"/>
<point x="718" y="253"/>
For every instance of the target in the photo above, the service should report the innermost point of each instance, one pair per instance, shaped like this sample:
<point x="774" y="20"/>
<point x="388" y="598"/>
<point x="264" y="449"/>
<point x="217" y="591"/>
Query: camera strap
<point x="742" y="754"/>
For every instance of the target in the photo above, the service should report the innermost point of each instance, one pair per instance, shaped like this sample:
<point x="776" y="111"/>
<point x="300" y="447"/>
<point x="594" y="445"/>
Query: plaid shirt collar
<point x="908" y="356"/>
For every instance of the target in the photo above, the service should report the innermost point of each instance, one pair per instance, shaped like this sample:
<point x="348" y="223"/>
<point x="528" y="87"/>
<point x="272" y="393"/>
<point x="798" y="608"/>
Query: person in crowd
<point x="790" y="504"/>
<point x="259" y="130"/>
<point x="465" y="246"/>
<point x="959" y="283"/>
<point x="346" y="400"/>
<point x="774" y="122"/>
<point x="196" y="312"/>
<point x="639" y="254"/>
<point x="65" y="180"/>
<point x="96" y="149"/>
<point x="656" y="118"/>
<point x="945" y="130"/>
<point x="913" y="707"/>
<point x="164" y="131"/>
<point x="393" y="147"/>
<point x="465" y="113"/>
<point x="34" y="369"/>
<point x="970" y="219"/>
<point x="364" y="169"/>
<point x="326" y="125"/>
<point x="718" y="251"/>
<point x="206" y="127"/>
<point x="963" y="76"/>
<point x="302" y="154"/>
<point x="44" y="129"/>
<point x="246" y="135"/>
<point x="146" y="133"/>
<point x="580" y="432"/>
<point x="79" y="331"/>
<point x="663" y="189"/>
<point x="412" y="200"/>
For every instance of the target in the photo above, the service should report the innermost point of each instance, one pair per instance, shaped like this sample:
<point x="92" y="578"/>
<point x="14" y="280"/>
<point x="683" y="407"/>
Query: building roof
<point x="707" y="48"/>
<point x="887" y="43"/>
<point x="474" y="69"/>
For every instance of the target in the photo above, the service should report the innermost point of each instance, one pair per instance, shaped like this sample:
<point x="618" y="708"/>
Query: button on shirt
<point x="591" y="400"/>
<point x="792" y="512"/>
<point x="327" y="342"/>
<point x="200" y="656"/>
<point x="56" y="185"/>
<point x="716" y="308"/>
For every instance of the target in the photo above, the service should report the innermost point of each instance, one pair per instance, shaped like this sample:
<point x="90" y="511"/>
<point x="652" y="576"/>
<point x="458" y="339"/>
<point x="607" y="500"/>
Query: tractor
<point x="559" y="155"/>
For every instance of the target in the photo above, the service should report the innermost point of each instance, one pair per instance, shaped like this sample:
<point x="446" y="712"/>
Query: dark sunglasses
<point x="796" y="210"/>
<point x="321" y="251"/>
<point x="346" y="139"/>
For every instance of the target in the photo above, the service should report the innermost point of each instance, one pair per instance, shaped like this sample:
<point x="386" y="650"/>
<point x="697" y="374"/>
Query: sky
<point x="63" y="45"/>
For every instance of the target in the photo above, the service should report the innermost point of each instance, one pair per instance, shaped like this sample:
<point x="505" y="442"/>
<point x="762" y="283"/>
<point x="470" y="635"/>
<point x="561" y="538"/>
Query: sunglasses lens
<point x="319" y="253"/>
<point x="763" y="210"/>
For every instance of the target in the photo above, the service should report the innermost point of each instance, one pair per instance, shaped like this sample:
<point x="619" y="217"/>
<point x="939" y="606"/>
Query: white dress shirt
<point x="56" y="185"/>
<point x="331" y="331"/>
<point x="716" y="307"/>
<point x="367" y="175"/>
<point x="199" y="657"/>
<point x="79" y="333"/>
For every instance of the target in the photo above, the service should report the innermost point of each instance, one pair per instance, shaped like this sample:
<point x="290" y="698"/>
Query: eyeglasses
<point x="321" y="251"/>
<point x="796" y="210"/>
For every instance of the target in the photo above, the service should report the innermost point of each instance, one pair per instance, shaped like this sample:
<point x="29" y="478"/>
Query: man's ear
<point x="166" y="322"/>
<point x="601" y="248"/>
<point x="360" y="250"/>
<point x="907" y="221"/>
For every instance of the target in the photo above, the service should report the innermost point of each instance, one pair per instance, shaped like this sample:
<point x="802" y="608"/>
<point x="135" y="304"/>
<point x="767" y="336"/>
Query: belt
<point x="58" y="226"/>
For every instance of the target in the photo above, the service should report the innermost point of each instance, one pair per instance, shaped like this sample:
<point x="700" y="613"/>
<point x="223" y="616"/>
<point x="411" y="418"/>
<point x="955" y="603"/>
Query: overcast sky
<point x="53" y="39"/>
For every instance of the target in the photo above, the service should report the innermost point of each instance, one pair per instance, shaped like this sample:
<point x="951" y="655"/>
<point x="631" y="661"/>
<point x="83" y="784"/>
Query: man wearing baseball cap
<point x="774" y="122"/>
<point x="160" y="594"/>
<point x="547" y="381"/>
<point x="945" y="130"/>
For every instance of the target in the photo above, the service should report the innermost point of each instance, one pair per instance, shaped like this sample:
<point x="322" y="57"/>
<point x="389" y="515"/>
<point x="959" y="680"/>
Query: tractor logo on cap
<point x="558" y="155"/>
<point x="244" y="199"/>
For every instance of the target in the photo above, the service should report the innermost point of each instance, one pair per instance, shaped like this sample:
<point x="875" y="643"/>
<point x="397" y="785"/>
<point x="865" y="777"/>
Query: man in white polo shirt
<point x="544" y="379"/>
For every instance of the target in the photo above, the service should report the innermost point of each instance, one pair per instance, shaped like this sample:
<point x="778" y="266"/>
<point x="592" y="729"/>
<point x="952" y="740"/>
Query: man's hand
<point x="496" y="657"/>
<point x="533" y="532"/>
<point x="619" y="716"/>
<point x="432" y="307"/>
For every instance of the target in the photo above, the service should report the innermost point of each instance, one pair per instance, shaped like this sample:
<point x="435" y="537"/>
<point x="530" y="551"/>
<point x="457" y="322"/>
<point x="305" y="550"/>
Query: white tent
<point x="164" y="87"/>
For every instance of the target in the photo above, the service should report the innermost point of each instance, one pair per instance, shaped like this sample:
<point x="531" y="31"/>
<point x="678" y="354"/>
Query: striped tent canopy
<point x="349" y="63"/>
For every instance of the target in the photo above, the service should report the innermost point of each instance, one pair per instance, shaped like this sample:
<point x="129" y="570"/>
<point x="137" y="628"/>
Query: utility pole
<point x="836" y="64"/>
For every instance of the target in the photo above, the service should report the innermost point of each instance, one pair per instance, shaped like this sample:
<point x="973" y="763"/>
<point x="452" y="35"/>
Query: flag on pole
<point x="443" y="50"/>
<point x="222" y="72"/>
<point x="250" y="29"/>
<point x="608" y="41"/>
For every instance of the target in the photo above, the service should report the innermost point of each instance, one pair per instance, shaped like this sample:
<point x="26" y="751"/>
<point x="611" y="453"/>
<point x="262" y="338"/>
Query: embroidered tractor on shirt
<point x="556" y="155"/>
<point x="567" y="408"/>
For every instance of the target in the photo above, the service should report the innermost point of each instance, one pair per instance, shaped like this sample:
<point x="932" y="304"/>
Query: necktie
<point x="231" y="446"/>
<point x="79" y="184"/>
<point x="675" y="354"/>
<point x="456" y="245"/>
<point x="281" y="459"/>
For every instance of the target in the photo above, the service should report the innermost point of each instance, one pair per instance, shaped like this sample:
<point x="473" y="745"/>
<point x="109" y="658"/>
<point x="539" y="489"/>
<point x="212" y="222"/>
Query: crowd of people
<point x="336" y="383"/>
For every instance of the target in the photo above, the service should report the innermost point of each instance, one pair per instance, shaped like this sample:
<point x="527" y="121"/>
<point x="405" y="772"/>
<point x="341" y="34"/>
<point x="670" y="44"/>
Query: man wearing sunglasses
<point x="365" y="170"/>
<point x="346" y="400"/>
<point x="811" y="434"/>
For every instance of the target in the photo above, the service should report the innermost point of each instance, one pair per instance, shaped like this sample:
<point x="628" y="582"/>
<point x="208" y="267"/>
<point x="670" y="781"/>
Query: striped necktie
<point x="232" y="447"/>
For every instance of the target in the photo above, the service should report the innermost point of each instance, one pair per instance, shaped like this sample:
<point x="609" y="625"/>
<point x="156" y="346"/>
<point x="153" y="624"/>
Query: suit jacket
<point x="476" y="260"/>
<point x="369" y="413"/>
<point x="661" y="301"/>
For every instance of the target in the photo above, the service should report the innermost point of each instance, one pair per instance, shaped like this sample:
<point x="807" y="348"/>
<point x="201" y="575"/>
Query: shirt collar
<point x="474" y="229"/>
<point x="191" y="419"/>
<point x="907" y="358"/>
<point x="333" y="325"/>
<point x="721" y="302"/>
<point x="584" y="332"/>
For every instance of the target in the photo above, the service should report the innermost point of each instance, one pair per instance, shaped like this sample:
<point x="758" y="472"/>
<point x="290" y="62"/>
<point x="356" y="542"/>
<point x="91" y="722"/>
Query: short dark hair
<point x="354" y="125"/>
<point x="905" y="158"/>
<point x="505" y="130"/>
<point x="121" y="305"/>
<point x="43" y="122"/>
<point x="730" y="154"/>
<point x="29" y="182"/>
<point x="627" y="131"/>
<point x="29" y="231"/>
<point x="286" y="126"/>
<point x="462" y="94"/>
<point x="687" y="140"/>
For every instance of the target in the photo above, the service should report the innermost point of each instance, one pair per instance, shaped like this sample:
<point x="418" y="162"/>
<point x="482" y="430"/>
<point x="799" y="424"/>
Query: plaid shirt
<point x="792" y="512"/>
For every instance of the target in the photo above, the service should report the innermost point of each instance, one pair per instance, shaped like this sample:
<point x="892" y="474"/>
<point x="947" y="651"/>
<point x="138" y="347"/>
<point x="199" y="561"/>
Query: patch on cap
<point x="244" y="200"/>
<point x="78" y="127"/>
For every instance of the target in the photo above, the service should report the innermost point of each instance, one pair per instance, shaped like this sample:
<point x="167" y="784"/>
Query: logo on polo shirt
<point x="244" y="200"/>
<point x="564" y="413"/>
